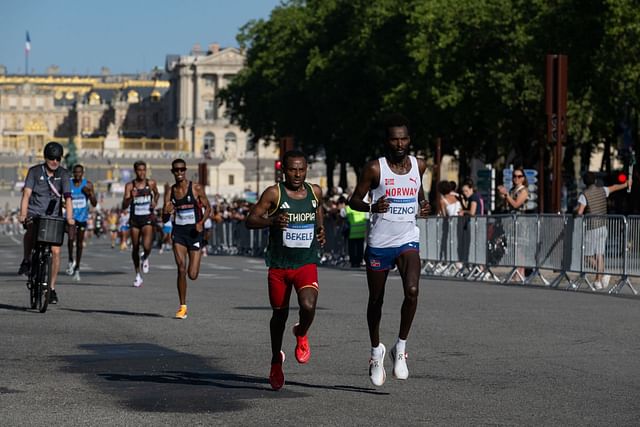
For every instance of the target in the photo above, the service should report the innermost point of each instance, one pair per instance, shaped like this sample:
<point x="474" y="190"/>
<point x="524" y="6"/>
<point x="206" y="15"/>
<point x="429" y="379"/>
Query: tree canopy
<point x="468" y="71"/>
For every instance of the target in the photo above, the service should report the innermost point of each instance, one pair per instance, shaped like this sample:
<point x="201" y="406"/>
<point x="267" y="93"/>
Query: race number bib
<point x="79" y="203"/>
<point x="142" y="209"/>
<point x="298" y="235"/>
<point x="185" y="217"/>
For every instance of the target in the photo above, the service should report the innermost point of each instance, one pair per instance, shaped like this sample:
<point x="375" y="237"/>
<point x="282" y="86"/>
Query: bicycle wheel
<point x="44" y="284"/>
<point x="32" y="284"/>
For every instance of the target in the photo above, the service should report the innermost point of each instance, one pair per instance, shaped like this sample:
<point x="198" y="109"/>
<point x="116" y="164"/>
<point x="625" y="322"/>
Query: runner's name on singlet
<point x="142" y="205"/>
<point x="298" y="235"/>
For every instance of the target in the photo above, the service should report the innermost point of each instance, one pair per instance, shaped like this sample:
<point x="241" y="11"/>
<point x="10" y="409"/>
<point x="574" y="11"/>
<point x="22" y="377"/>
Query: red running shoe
<point x="303" y="352"/>
<point x="276" y="376"/>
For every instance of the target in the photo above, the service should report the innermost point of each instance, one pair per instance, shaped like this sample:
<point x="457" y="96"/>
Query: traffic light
<point x="278" y="170"/>
<point x="615" y="177"/>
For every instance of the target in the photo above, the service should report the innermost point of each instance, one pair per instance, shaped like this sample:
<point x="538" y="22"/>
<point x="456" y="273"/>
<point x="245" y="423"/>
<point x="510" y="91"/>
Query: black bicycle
<point x="47" y="231"/>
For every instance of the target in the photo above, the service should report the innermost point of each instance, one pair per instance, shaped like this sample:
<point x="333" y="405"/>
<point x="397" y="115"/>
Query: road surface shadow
<point x="150" y="378"/>
<point x="12" y="307"/>
<point x="118" y="312"/>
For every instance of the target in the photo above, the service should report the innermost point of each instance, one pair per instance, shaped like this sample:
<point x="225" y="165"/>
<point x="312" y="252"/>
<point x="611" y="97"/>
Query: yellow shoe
<point x="182" y="312"/>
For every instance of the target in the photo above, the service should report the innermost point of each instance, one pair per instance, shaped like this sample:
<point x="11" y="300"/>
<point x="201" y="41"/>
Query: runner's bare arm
<point x="91" y="194"/>
<point x="156" y="194"/>
<point x="258" y="215"/>
<point x="168" y="207"/>
<point x="368" y="180"/>
<point x="319" y="216"/>
<point x="126" y="198"/>
<point x="425" y="207"/>
<point x="200" y="194"/>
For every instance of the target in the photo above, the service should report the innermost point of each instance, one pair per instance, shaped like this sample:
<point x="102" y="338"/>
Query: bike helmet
<point x="53" y="150"/>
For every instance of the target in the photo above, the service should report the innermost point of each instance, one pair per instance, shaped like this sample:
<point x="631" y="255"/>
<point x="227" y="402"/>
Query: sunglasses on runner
<point x="57" y="159"/>
<point x="174" y="170"/>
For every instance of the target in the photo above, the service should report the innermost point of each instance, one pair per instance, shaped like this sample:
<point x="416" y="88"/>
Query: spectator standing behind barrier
<point x="516" y="201"/>
<point x="449" y="204"/>
<point x="593" y="201"/>
<point x="474" y="203"/>
<point x="516" y="198"/>
<point x="357" y="227"/>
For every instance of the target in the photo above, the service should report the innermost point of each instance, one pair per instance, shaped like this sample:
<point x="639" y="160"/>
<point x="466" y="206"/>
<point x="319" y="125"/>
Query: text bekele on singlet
<point x="187" y="211"/>
<point x="79" y="201"/>
<point x="297" y="244"/>
<point x="141" y="204"/>
<point x="397" y="226"/>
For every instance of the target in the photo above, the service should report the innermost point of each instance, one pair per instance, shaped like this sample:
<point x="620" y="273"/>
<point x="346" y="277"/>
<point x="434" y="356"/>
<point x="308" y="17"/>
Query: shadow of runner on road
<point x="12" y="307"/>
<point x="150" y="378"/>
<point x="118" y="312"/>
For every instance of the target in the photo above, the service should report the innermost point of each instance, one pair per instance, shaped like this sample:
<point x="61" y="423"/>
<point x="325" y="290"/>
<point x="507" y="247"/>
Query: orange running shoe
<point x="276" y="376"/>
<point x="303" y="351"/>
<point x="182" y="312"/>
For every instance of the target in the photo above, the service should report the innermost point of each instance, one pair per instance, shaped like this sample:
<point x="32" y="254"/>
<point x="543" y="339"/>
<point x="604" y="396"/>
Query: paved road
<point x="110" y="354"/>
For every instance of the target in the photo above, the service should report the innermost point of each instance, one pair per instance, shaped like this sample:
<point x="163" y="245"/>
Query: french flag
<point x="27" y="44"/>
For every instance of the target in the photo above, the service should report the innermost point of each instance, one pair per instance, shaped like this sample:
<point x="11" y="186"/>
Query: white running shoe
<point x="76" y="276"/>
<point x="70" y="268"/>
<point x="400" y="370"/>
<point x="138" y="282"/>
<point x="377" y="375"/>
<point x="597" y="285"/>
<point x="145" y="266"/>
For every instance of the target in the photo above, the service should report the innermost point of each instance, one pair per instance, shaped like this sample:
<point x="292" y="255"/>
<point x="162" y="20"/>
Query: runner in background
<point x="140" y="196"/>
<point x="82" y="194"/>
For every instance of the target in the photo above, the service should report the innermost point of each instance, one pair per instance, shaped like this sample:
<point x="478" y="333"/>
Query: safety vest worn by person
<point x="357" y="223"/>
<point x="297" y="245"/>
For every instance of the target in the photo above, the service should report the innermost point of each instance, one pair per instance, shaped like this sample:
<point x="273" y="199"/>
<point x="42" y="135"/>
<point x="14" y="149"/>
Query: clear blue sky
<point x="81" y="36"/>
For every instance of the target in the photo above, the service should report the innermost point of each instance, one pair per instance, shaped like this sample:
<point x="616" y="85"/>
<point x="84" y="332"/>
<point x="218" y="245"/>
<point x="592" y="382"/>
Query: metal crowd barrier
<point x="477" y="248"/>
<point x="233" y="238"/>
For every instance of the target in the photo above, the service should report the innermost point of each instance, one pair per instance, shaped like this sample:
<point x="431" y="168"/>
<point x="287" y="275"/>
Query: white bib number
<point x="298" y="236"/>
<point x="143" y="209"/>
<point x="80" y="203"/>
<point x="186" y="217"/>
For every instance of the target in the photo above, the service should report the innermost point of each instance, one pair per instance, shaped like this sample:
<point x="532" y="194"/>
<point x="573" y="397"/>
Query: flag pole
<point x="27" y="49"/>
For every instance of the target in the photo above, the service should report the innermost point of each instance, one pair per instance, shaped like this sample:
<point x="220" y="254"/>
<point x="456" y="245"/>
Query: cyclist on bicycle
<point x="45" y="186"/>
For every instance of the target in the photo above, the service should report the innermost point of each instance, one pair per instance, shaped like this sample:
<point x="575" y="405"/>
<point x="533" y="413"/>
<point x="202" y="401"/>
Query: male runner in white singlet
<point x="394" y="183"/>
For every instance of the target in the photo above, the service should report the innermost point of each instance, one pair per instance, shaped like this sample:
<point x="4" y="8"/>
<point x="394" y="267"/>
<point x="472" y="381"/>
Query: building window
<point x="231" y="180"/>
<point x="209" y="142"/>
<point x="209" y="80"/>
<point x="209" y="110"/>
<point x="230" y="145"/>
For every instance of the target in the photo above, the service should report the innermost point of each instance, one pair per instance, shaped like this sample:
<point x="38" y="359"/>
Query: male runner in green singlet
<point x="293" y="212"/>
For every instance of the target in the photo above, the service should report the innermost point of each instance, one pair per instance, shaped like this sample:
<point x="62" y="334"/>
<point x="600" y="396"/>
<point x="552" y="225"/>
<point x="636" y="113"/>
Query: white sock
<point x="401" y="345"/>
<point x="376" y="352"/>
